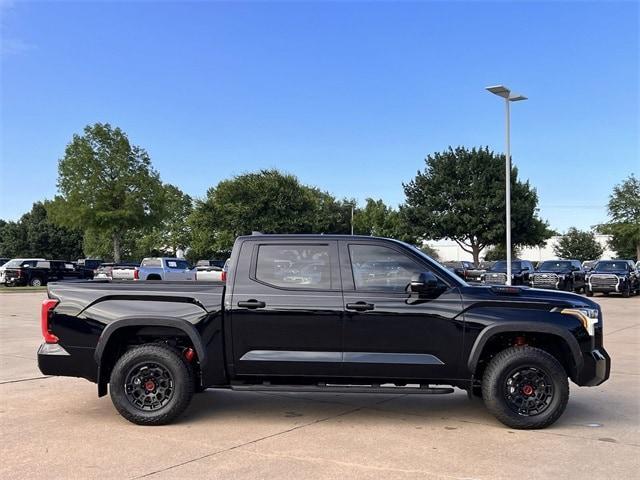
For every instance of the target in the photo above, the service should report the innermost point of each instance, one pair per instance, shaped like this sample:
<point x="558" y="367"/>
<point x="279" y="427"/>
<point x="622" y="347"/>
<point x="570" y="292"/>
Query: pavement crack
<point x="24" y="380"/>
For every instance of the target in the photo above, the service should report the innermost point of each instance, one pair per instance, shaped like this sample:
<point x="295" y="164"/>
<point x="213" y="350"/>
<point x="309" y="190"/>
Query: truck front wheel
<point x="151" y="385"/>
<point x="525" y="388"/>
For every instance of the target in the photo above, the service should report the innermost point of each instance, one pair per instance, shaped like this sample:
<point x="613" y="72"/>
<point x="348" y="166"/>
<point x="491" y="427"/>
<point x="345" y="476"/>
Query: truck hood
<point x="519" y="295"/>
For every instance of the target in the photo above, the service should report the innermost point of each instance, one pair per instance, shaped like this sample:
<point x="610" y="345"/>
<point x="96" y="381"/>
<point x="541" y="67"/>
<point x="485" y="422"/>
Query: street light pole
<point x="352" y="219"/>
<point x="507" y="187"/>
<point x="505" y="93"/>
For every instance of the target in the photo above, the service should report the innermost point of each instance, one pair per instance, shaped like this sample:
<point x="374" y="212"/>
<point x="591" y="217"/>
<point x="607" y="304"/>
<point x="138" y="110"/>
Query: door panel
<point x="286" y="309"/>
<point x="403" y="335"/>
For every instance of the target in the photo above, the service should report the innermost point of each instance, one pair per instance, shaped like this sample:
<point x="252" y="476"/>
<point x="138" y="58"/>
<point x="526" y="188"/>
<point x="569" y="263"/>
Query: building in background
<point x="449" y="250"/>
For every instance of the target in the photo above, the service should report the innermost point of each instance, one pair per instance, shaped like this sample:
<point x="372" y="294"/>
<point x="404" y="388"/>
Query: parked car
<point x="165" y="268"/>
<point x="588" y="265"/>
<point x="210" y="273"/>
<point x="325" y="313"/>
<point x="210" y="263"/>
<point x="560" y="275"/>
<point x="116" y="271"/>
<point x="520" y="273"/>
<point x="103" y="272"/>
<point x="460" y="268"/>
<point x="124" y="271"/>
<point x="614" y="276"/>
<point x="40" y="272"/>
<point x="90" y="264"/>
<point x="12" y="265"/>
<point x="475" y="274"/>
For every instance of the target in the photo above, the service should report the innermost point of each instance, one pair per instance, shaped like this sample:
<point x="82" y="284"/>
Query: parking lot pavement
<point x="58" y="428"/>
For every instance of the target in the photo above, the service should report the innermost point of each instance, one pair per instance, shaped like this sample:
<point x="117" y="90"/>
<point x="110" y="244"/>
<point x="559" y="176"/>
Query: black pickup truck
<point x="560" y="275"/>
<point x="325" y="313"/>
<point x="613" y="276"/>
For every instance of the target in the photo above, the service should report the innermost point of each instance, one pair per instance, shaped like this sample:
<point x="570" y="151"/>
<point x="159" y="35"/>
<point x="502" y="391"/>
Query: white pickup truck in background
<point x="165" y="268"/>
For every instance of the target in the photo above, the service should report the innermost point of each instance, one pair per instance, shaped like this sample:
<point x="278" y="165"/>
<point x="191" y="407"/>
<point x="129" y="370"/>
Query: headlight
<point x="587" y="316"/>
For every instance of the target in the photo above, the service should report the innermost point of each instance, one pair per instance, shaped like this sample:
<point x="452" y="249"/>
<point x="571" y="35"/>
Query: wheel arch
<point x="108" y="341"/>
<point x="518" y="328"/>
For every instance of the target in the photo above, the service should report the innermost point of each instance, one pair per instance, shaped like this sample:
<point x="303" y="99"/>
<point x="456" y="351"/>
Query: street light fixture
<point x="509" y="97"/>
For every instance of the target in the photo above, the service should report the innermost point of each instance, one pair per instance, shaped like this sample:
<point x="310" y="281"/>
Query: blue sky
<point x="348" y="96"/>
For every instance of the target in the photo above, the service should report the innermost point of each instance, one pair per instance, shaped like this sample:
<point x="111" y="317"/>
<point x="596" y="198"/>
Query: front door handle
<point x="252" y="304"/>
<point x="360" y="306"/>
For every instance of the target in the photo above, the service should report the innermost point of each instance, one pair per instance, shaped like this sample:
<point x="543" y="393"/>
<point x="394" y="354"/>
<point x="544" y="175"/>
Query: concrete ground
<point x="58" y="428"/>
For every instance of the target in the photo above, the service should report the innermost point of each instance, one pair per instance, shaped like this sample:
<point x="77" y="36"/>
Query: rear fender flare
<point x="154" y="321"/>
<point x="536" y="327"/>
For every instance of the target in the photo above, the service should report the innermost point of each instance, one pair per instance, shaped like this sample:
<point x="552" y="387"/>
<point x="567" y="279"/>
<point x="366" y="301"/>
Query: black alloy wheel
<point x="149" y="386"/>
<point x="528" y="391"/>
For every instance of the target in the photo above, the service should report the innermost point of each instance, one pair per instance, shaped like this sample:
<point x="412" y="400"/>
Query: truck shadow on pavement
<point x="267" y="406"/>
<point x="225" y="405"/>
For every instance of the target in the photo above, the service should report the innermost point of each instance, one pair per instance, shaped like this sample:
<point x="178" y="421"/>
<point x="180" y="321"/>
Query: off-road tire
<point x="494" y="386"/>
<point x="176" y="366"/>
<point x="626" y="293"/>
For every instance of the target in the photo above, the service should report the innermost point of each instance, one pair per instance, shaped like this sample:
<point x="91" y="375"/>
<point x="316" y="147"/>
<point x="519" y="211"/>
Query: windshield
<point x="551" y="266"/>
<point x="611" y="267"/>
<point x="501" y="266"/>
<point x="19" y="262"/>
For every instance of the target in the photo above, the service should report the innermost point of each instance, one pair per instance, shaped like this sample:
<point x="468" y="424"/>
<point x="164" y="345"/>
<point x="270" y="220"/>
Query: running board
<point x="331" y="388"/>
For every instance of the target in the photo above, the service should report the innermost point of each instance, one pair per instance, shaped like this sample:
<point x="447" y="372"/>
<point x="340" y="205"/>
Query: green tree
<point x="460" y="195"/>
<point x="580" y="245"/>
<point x="267" y="201"/>
<point x="380" y="220"/>
<point x="624" y="224"/>
<point x="432" y="252"/>
<point x="106" y="185"/>
<point x="34" y="235"/>
<point x="172" y="231"/>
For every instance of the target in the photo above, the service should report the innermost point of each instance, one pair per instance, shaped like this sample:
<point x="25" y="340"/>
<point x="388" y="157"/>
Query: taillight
<point x="224" y="276"/>
<point x="136" y="274"/>
<point x="47" y="305"/>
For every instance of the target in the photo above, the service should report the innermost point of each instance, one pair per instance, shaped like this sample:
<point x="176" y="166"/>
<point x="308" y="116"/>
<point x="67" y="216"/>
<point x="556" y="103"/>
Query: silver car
<point x="165" y="268"/>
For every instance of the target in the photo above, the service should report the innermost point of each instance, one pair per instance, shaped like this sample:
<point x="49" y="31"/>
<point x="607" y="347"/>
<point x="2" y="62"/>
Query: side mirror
<point x="424" y="282"/>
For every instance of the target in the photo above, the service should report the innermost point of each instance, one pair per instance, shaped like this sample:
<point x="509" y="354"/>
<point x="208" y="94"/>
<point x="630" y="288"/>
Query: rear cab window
<point x="297" y="266"/>
<point x="151" y="262"/>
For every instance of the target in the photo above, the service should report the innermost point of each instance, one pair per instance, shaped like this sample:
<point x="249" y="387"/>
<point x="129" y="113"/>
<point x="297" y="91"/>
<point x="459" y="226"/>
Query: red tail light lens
<point x="47" y="305"/>
<point x="136" y="274"/>
<point x="224" y="276"/>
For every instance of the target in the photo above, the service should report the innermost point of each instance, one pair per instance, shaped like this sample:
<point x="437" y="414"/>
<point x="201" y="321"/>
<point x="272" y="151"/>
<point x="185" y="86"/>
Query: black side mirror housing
<point x="424" y="282"/>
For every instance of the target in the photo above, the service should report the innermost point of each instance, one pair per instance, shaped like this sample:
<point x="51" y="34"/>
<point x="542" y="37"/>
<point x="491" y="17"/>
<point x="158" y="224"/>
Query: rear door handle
<point x="360" y="306"/>
<point x="252" y="304"/>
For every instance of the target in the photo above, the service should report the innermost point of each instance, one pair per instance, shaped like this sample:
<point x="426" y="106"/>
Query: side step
<point x="332" y="388"/>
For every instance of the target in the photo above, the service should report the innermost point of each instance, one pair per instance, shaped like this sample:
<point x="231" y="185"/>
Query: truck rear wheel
<point x="525" y="388"/>
<point x="151" y="385"/>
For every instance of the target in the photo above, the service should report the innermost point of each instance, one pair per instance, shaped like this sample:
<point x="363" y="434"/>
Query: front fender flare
<point x="154" y="321"/>
<point x="537" y="327"/>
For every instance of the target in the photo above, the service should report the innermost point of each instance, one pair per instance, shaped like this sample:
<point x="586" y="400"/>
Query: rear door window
<point x="294" y="266"/>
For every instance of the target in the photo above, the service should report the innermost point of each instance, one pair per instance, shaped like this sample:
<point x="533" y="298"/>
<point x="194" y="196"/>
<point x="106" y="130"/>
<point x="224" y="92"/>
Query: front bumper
<point x="596" y="368"/>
